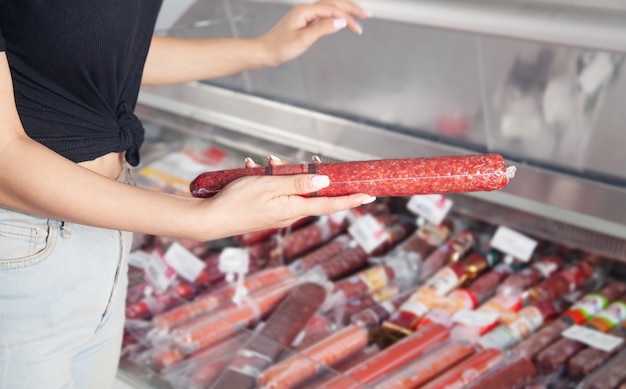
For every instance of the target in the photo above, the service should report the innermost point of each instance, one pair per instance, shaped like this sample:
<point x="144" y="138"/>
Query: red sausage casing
<point x="382" y="178"/>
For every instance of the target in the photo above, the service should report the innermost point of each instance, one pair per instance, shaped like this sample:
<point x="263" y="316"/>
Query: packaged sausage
<point x="391" y="359"/>
<point x="515" y="374"/>
<point x="528" y="320"/>
<point x="321" y="254"/>
<point x="206" y="330"/>
<point x="298" y="368"/>
<point x="366" y="301"/>
<point x="468" y="371"/>
<point x="555" y="356"/>
<point x="589" y="359"/>
<point x="452" y="251"/>
<point x="405" y="320"/>
<point x="374" y="315"/>
<point x="251" y="238"/>
<point x="278" y="332"/>
<point x="609" y="376"/>
<point x="537" y="272"/>
<point x="206" y="303"/>
<point x="587" y="306"/>
<point x="465" y="298"/>
<point x="428" y="367"/>
<point x="382" y="178"/>
<point x="565" y="281"/>
<point x="364" y="282"/>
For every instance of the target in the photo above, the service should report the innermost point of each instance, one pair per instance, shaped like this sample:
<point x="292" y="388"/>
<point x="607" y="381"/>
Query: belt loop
<point x="66" y="229"/>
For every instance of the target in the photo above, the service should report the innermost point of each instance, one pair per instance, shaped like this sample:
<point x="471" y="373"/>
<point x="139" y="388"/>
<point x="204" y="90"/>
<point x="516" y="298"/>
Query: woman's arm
<point x="37" y="180"/>
<point x="177" y="60"/>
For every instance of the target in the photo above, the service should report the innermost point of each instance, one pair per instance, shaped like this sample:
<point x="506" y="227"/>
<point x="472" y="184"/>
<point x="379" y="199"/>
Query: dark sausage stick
<point x="381" y="178"/>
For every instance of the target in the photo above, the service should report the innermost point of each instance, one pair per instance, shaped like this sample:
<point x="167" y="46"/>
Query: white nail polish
<point x="248" y="160"/>
<point x="340" y="23"/>
<point x="319" y="182"/>
<point x="359" y="29"/>
<point x="274" y="158"/>
<point x="369" y="200"/>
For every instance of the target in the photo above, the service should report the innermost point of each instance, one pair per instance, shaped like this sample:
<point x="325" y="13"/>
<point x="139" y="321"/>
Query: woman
<point x="70" y="72"/>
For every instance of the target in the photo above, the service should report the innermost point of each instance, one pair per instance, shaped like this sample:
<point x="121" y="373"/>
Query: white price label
<point x="593" y="338"/>
<point x="513" y="243"/>
<point x="475" y="318"/>
<point x="433" y="208"/>
<point x="596" y="73"/>
<point x="234" y="260"/>
<point x="138" y="259"/>
<point x="158" y="273"/>
<point x="368" y="233"/>
<point x="187" y="265"/>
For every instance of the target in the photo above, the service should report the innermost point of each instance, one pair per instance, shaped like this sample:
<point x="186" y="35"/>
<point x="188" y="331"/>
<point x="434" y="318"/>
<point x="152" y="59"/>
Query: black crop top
<point x="76" y="67"/>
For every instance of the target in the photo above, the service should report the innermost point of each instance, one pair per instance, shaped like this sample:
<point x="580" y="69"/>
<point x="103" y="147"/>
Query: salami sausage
<point x="373" y="316"/>
<point x="589" y="359"/>
<point x="608" y="376"/>
<point x="452" y="251"/>
<point x="468" y="371"/>
<point x="515" y="375"/>
<point x="278" y="332"/>
<point x="530" y="276"/>
<point x="428" y="367"/>
<point x="391" y="359"/>
<point x="382" y="178"/>
<point x="300" y="367"/>
<point x="565" y="281"/>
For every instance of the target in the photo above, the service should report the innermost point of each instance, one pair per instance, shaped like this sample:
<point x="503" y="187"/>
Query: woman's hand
<point x="263" y="202"/>
<point x="304" y="24"/>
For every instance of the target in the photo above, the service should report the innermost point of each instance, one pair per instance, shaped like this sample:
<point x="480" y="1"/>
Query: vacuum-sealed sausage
<point x="516" y="374"/>
<point x="591" y="304"/>
<point x="205" y="303"/>
<point x="537" y="272"/>
<point x="304" y="365"/>
<point x="391" y="359"/>
<point x="589" y="359"/>
<point x="468" y="371"/>
<point x="428" y="367"/>
<point x="366" y="281"/>
<point x="251" y="238"/>
<point x="610" y="376"/>
<point x="565" y="281"/>
<point x="321" y="254"/>
<point x="382" y="178"/>
<point x="374" y="315"/>
<point x="452" y="251"/>
<point x="278" y="332"/>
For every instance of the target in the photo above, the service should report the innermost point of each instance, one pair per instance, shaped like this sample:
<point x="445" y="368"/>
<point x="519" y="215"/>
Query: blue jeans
<point x="62" y="295"/>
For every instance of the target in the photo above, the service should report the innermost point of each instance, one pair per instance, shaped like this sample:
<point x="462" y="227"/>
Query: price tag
<point x="433" y="208"/>
<point x="158" y="273"/>
<point x="234" y="260"/>
<point x="138" y="259"/>
<point x="339" y="217"/>
<point x="368" y="233"/>
<point x="596" y="73"/>
<point x="593" y="338"/>
<point x="187" y="265"/>
<point x="475" y="318"/>
<point x="513" y="243"/>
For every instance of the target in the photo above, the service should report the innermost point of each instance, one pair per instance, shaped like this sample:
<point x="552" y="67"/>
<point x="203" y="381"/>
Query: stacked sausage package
<point x="374" y="298"/>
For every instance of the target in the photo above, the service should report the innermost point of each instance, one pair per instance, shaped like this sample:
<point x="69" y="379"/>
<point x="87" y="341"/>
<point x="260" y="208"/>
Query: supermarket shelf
<point x="572" y="200"/>
<point x="563" y="24"/>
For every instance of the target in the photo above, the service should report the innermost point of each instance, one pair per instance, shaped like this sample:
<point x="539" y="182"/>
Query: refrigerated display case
<point x="539" y="81"/>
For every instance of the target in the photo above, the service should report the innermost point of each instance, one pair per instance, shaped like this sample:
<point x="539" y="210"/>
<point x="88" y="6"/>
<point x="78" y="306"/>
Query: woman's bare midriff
<point x="109" y="165"/>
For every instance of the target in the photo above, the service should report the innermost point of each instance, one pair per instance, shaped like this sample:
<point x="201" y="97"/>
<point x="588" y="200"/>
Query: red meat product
<point x="391" y="359"/>
<point x="405" y="320"/>
<point x="428" y="367"/>
<point x="321" y="254"/>
<point x="278" y="332"/>
<point x="364" y="282"/>
<point x="591" y="304"/>
<point x="565" y="281"/>
<point x="206" y="303"/>
<point x="344" y="263"/>
<point x="465" y="298"/>
<point x="365" y="301"/>
<point x="515" y="375"/>
<point x="209" y="329"/>
<point x="305" y="239"/>
<point x="318" y="328"/>
<point x="300" y="367"/>
<point x="589" y="359"/>
<point x="468" y="371"/>
<point x="532" y="275"/>
<point x="557" y="354"/>
<point x="148" y="306"/>
<point x="528" y="320"/>
<point x="610" y="376"/>
<point x="374" y="315"/>
<point x="382" y="178"/>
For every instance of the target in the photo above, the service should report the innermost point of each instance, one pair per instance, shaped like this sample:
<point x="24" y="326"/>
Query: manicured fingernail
<point x="369" y="200"/>
<point x="319" y="182"/>
<point x="248" y="160"/>
<point x="359" y="29"/>
<point x="316" y="159"/>
<point x="339" y="23"/>
<point x="274" y="158"/>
